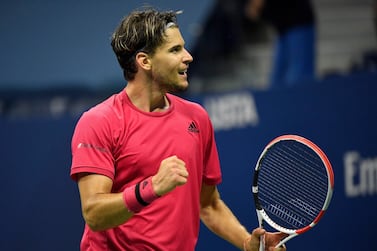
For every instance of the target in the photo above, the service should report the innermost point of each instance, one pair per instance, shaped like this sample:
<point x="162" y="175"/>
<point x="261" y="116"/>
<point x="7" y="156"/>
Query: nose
<point x="187" y="57"/>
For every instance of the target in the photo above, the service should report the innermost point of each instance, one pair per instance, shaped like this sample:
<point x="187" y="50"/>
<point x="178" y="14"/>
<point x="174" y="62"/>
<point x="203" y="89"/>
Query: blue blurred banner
<point x="41" y="207"/>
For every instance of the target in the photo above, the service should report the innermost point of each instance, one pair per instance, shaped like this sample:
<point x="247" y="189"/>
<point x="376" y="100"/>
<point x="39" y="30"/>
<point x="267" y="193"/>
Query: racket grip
<point x="261" y="243"/>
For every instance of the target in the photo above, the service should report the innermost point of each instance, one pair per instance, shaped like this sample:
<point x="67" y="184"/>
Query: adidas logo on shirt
<point x="192" y="128"/>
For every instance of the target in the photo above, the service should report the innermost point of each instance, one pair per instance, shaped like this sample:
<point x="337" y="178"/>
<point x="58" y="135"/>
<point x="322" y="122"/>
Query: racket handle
<point x="261" y="243"/>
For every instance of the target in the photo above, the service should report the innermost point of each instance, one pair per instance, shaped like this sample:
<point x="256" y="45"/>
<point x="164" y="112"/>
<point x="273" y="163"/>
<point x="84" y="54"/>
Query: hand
<point x="172" y="173"/>
<point x="271" y="240"/>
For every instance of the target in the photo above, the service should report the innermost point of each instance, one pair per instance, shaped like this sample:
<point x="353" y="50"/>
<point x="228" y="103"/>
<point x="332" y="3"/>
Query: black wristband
<point x="138" y="196"/>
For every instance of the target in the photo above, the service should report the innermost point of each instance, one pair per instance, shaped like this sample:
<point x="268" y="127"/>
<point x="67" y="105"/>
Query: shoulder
<point x="106" y="109"/>
<point x="105" y="114"/>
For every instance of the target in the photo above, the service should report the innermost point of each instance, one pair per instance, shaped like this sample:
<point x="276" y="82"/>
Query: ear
<point x="143" y="60"/>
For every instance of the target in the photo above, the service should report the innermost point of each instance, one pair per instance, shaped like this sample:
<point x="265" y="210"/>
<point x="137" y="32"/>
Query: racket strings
<point x="287" y="179"/>
<point x="315" y="194"/>
<point x="302" y="166"/>
<point x="292" y="184"/>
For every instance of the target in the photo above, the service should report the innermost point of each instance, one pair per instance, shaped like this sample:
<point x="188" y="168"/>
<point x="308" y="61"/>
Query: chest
<point x="146" y="141"/>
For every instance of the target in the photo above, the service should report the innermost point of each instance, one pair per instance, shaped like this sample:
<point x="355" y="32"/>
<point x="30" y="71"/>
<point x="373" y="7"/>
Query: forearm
<point x="101" y="208"/>
<point x="220" y="220"/>
<point x="104" y="211"/>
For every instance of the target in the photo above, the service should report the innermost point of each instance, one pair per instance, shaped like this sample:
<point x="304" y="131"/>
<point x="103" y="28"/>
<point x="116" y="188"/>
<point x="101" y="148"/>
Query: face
<point x="170" y="63"/>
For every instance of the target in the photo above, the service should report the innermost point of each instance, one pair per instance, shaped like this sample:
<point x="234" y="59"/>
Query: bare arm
<point x="101" y="209"/>
<point x="219" y="219"/>
<point x="216" y="215"/>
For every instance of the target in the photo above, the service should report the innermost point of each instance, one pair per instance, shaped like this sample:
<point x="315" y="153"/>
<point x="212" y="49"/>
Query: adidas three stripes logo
<point x="192" y="128"/>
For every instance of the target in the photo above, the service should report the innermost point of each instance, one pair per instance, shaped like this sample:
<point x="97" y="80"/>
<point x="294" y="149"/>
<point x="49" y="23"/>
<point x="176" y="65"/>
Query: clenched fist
<point x="172" y="173"/>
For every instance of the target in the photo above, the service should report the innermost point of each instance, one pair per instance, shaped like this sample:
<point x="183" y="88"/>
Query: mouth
<point x="183" y="73"/>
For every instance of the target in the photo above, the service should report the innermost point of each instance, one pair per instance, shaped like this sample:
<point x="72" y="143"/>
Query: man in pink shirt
<point x="146" y="160"/>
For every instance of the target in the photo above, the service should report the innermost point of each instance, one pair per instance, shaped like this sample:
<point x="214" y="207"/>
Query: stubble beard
<point x="174" y="88"/>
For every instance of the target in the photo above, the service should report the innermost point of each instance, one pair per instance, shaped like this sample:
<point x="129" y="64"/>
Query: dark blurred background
<point x="56" y="61"/>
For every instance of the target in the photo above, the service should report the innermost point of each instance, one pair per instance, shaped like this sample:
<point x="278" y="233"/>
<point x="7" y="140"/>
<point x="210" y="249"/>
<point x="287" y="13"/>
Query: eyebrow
<point x="178" y="46"/>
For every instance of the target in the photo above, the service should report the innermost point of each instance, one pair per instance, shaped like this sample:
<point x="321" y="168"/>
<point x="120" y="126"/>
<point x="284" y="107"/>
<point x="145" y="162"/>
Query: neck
<point x="147" y="100"/>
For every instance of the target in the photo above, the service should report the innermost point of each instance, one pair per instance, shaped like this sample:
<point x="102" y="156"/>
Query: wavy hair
<point x="140" y="31"/>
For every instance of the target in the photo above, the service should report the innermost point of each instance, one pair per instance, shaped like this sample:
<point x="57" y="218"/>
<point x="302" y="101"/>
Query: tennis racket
<point x="292" y="186"/>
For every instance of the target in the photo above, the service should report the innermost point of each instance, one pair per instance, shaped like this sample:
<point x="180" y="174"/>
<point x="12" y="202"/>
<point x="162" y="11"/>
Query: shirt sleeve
<point x="92" y="145"/>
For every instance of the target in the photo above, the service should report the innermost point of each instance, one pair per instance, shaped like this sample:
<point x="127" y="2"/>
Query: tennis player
<point x="145" y="159"/>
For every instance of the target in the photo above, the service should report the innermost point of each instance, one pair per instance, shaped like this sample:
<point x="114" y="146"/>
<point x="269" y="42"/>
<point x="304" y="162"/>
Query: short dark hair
<point x="142" y="30"/>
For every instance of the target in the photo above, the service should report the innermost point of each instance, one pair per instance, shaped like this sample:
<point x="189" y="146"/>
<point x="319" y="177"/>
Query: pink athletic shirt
<point x="118" y="140"/>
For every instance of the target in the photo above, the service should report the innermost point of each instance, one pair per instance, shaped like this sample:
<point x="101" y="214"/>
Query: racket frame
<point x="263" y="216"/>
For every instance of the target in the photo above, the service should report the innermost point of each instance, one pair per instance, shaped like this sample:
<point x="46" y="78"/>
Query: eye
<point x="176" y="49"/>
